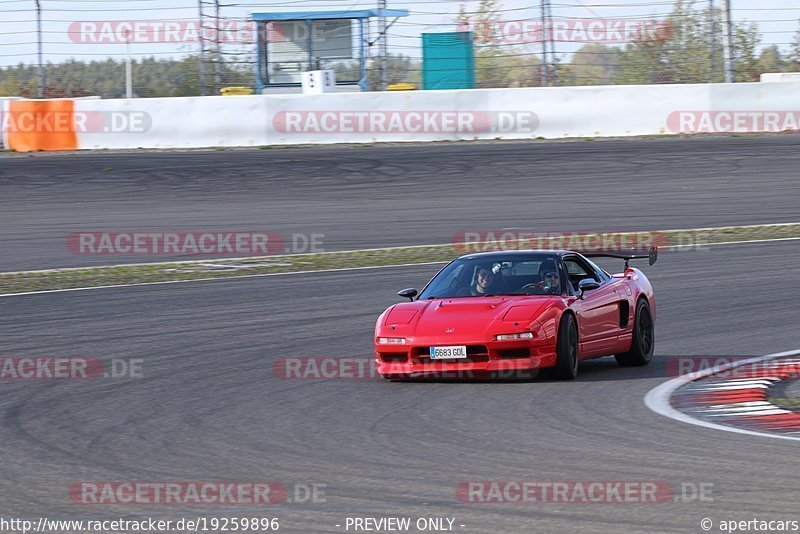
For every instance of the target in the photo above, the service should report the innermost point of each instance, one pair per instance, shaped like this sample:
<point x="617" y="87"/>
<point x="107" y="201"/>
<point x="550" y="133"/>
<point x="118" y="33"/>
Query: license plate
<point x="445" y="353"/>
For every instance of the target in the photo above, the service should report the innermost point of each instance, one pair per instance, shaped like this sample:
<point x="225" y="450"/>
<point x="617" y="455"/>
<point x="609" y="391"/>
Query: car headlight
<point x="511" y="337"/>
<point x="391" y="341"/>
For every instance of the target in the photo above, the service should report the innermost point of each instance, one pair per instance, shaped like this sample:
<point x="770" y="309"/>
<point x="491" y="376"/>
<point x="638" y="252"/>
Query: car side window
<point x="603" y="276"/>
<point x="577" y="270"/>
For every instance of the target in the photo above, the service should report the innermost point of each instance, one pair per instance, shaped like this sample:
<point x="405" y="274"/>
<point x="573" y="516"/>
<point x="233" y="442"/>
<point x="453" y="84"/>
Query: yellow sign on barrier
<point x="231" y="91"/>
<point x="402" y="87"/>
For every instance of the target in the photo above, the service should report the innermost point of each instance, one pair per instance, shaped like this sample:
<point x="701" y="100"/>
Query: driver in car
<point x="483" y="282"/>
<point x="486" y="282"/>
<point x="549" y="281"/>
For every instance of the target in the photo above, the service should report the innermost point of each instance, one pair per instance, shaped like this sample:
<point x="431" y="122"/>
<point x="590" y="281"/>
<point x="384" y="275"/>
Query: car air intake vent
<point x="393" y="357"/>
<point x="515" y="353"/>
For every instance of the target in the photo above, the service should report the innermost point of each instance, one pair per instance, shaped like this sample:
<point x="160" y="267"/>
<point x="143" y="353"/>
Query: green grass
<point x="787" y="403"/>
<point x="68" y="278"/>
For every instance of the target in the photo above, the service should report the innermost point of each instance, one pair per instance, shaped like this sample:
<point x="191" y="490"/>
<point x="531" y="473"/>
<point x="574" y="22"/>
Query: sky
<point x="778" y="20"/>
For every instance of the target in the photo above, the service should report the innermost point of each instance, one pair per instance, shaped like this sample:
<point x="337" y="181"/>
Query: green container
<point x="448" y="61"/>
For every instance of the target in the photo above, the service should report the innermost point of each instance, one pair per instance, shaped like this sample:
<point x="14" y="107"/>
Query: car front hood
<point x="465" y="320"/>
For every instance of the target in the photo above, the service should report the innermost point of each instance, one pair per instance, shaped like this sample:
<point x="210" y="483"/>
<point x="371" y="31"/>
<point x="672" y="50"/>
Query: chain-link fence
<point x="57" y="48"/>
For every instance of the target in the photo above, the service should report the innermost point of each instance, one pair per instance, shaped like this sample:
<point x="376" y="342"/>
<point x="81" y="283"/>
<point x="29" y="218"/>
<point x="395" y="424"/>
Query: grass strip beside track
<point x="787" y="403"/>
<point x="84" y="277"/>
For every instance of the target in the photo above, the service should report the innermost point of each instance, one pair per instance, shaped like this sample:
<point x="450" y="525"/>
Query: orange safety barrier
<point x="32" y="125"/>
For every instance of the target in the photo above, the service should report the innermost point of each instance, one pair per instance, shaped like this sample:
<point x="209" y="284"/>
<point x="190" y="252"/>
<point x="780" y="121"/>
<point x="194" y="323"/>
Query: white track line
<point x="404" y="247"/>
<point x="744" y="242"/>
<point x="220" y="278"/>
<point x="658" y="398"/>
<point x="341" y="269"/>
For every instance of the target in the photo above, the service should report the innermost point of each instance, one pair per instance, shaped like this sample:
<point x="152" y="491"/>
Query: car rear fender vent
<point x="624" y="312"/>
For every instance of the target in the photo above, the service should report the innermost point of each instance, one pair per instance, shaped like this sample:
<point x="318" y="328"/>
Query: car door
<point x="598" y="311"/>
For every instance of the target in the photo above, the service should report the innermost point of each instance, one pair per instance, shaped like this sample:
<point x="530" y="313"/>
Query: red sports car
<point x="517" y="311"/>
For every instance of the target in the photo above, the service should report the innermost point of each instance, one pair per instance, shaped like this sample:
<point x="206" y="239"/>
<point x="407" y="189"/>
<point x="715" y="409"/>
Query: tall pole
<point x="712" y="41"/>
<point x="40" y="91"/>
<point x="218" y="50"/>
<point x="544" y="45"/>
<point x="383" y="48"/>
<point x="128" y="70"/>
<point x="202" y="73"/>
<point x="553" y="78"/>
<point x="727" y="41"/>
<point x="549" y="72"/>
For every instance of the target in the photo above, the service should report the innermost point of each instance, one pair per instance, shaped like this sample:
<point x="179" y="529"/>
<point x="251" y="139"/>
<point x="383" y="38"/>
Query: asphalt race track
<point x="210" y="407"/>
<point x="393" y="195"/>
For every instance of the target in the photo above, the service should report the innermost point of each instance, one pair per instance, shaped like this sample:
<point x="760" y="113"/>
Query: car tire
<point x="566" y="367"/>
<point x="643" y="341"/>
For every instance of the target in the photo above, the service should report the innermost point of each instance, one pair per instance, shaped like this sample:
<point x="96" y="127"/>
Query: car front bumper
<point x="482" y="357"/>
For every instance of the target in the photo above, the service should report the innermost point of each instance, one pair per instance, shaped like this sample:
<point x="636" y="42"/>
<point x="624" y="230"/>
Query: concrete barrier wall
<point x="174" y="122"/>
<point x="772" y="77"/>
<point x="552" y="113"/>
<point x="3" y="100"/>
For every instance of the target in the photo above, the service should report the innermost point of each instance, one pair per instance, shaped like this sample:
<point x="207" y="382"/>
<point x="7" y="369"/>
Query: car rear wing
<point x="652" y="255"/>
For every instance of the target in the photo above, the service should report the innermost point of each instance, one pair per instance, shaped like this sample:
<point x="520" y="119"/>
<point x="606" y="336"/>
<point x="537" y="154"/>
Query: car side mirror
<point x="408" y="293"/>
<point x="587" y="284"/>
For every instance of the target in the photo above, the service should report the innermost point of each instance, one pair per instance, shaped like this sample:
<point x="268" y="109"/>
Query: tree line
<point x="686" y="48"/>
<point x="151" y="78"/>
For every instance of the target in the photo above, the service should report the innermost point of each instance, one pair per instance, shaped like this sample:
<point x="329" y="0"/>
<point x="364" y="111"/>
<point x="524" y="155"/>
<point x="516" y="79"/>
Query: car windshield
<point x="534" y="274"/>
